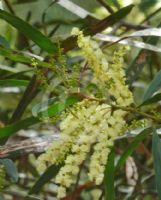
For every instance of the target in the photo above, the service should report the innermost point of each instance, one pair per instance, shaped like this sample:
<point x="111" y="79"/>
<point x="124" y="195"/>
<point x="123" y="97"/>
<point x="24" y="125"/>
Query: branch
<point x="78" y="191"/>
<point x="34" y="145"/>
<point x="40" y="144"/>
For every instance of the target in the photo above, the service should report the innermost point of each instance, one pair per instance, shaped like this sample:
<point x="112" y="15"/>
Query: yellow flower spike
<point x="111" y="77"/>
<point x="90" y="123"/>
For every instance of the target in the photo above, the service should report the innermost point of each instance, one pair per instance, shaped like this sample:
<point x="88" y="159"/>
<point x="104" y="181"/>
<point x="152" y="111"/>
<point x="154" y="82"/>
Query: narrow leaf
<point x="20" y="57"/>
<point x="29" y="31"/>
<point x="110" y="20"/>
<point x="10" y="129"/>
<point x="13" y="82"/>
<point x="96" y="26"/>
<point x="10" y="169"/>
<point x="25" y="1"/>
<point x="58" y="107"/>
<point x="109" y="177"/>
<point x="151" y="100"/>
<point x="134" y="70"/>
<point x="147" y="32"/>
<point x="132" y="146"/>
<point x="121" y="13"/>
<point x="29" y="197"/>
<point x="42" y="106"/>
<point x="10" y="69"/>
<point x="156" y="147"/>
<point x="129" y="42"/>
<point x="45" y="178"/>
<point x="72" y="7"/>
<point x="153" y="87"/>
<point x="50" y="111"/>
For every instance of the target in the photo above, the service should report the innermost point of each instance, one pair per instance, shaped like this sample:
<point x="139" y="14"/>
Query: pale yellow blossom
<point x="90" y="124"/>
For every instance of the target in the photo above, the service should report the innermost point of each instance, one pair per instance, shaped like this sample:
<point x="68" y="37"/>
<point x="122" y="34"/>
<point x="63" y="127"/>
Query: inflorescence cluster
<point x="90" y="126"/>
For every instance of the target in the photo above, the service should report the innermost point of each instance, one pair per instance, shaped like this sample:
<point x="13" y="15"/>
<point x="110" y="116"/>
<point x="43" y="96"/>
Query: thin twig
<point x="134" y="26"/>
<point x="9" y="7"/>
<point x="137" y="111"/>
<point x="151" y="15"/>
<point x="108" y="8"/>
<point x="75" y="194"/>
<point x="79" y="189"/>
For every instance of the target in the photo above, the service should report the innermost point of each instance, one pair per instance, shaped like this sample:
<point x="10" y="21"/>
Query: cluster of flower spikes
<point x="90" y="124"/>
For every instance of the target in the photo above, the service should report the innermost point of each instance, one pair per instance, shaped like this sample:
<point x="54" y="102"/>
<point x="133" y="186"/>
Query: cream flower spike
<point x="111" y="77"/>
<point x="90" y="124"/>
